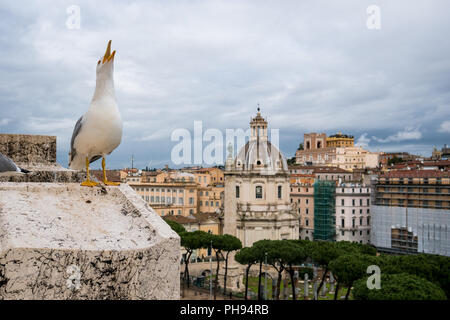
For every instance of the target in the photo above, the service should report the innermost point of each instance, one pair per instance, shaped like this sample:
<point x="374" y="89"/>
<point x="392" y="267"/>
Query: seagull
<point x="99" y="131"/>
<point x="6" y="165"/>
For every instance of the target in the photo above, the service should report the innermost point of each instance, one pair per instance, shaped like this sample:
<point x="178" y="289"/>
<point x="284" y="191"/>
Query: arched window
<point x="237" y="192"/>
<point x="280" y="192"/>
<point x="258" y="192"/>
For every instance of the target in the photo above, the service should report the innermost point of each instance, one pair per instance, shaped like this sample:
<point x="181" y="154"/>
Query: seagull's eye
<point x="98" y="62"/>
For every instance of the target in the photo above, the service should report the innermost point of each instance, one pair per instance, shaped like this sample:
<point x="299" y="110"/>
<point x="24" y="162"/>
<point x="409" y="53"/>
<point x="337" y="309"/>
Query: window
<point x="152" y="199"/>
<point x="179" y="211"/>
<point x="258" y="192"/>
<point x="191" y="200"/>
<point x="360" y="221"/>
<point x="180" y="201"/>
<point x="307" y="201"/>
<point x="307" y="210"/>
<point x="307" y="222"/>
<point x="353" y="222"/>
<point x="353" y="202"/>
<point x="237" y="192"/>
<point x="360" y="202"/>
<point x="342" y="223"/>
<point x="368" y="202"/>
<point x="342" y="211"/>
<point x="279" y="192"/>
<point x="368" y="221"/>
<point x="217" y="203"/>
<point x="342" y="202"/>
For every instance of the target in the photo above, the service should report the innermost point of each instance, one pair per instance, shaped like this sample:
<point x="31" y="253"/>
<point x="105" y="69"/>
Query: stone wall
<point x="37" y="154"/>
<point x="29" y="149"/>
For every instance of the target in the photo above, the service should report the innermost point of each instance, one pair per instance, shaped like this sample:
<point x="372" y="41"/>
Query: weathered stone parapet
<point x="37" y="154"/>
<point x="63" y="241"/>
<point x="29" y="149"/>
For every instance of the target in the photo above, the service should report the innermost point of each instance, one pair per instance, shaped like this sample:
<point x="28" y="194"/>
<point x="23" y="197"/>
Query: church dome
<point x="259" y="154"/>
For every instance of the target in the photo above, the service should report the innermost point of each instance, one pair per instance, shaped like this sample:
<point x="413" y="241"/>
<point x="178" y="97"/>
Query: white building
<point x="350" y="158"/>
<point x="353" y="213"/>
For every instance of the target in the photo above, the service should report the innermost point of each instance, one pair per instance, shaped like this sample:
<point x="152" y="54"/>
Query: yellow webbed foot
<point x="110" y="183"/>
<point x="89" y="183"/>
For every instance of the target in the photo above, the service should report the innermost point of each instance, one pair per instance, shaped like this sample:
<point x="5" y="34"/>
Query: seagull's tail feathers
<point x="77" y="163"/>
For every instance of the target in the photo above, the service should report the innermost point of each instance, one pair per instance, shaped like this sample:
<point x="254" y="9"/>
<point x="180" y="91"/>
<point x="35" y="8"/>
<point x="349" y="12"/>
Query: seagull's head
<point x="105" y="65"/>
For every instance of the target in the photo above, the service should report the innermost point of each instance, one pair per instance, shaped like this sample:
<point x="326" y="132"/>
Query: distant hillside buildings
<point x="337" y="150"/>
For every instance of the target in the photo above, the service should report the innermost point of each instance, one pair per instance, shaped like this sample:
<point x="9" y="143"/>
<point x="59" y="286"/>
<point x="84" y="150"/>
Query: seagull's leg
<point x="105" y="181"/>
<point x="88" y="182"/>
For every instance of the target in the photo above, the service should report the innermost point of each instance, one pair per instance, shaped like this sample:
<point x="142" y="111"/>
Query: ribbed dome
<point x="260" y="155"/>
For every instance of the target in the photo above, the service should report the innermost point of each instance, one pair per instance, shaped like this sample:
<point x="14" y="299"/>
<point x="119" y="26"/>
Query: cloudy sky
<point x="313" y="66"/>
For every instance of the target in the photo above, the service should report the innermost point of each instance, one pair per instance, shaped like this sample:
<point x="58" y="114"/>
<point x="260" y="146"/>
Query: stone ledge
<point x="122" y="248"/>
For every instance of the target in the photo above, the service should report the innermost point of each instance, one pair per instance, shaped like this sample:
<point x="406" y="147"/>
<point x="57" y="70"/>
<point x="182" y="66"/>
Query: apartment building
<point x="353" y="212"/>
<point x="411" y="212"/>
<point x="302" y="200"/>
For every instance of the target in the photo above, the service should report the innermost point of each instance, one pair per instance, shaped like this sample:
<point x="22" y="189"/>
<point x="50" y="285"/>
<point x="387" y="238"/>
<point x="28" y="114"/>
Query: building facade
<point x="337" y="150"/>
<point x="257" y="186"/>
<point x="411" y="212"/>
<point x="353" y="213"/>
<point x="302" y="200"/>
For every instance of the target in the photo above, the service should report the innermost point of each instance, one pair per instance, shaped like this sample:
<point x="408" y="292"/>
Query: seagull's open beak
<point x="108" y="55"/>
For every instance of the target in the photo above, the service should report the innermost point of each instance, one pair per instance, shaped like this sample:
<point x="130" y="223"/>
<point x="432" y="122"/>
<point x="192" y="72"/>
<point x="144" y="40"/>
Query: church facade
<point x="257" y="203"/>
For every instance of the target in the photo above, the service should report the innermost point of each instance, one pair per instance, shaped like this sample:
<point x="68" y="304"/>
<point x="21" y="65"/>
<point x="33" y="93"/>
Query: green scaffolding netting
<point x="324" y="212"/>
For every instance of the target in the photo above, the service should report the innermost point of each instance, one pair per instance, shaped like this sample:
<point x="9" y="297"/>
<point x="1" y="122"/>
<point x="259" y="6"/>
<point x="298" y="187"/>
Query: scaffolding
<point x="324" y="210"/>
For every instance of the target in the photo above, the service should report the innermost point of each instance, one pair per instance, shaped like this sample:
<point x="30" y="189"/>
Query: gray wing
<point x="6" y="164"/>
<point x="75" y="133"/>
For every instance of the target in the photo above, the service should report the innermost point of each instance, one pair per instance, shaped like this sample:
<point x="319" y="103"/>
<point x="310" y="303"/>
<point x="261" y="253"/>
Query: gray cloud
<point x="312" y="66"/>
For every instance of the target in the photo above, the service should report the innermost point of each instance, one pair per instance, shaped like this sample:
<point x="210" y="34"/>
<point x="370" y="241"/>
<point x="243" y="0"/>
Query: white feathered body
<point x="101" y="132"/>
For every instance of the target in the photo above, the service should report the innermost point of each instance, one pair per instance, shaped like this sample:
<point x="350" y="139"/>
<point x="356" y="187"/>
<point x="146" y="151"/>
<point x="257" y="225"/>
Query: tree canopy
<point x="400" y="286"/>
